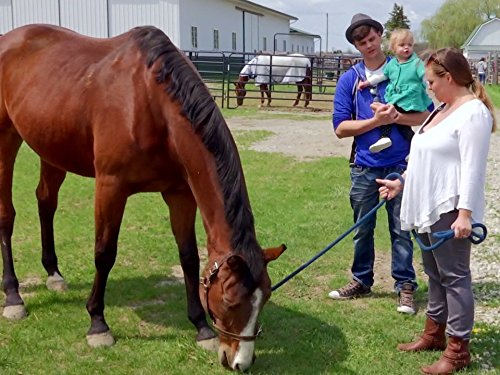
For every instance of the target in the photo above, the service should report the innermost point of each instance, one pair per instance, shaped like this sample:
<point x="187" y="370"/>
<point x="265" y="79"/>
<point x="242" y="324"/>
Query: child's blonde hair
<point x="399" y="35"/>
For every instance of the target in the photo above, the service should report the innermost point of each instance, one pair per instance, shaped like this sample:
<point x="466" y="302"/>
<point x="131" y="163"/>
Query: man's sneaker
<point x="406" y="304"/>
<point x="351" y="290"/>
<point x="380" y="145"/>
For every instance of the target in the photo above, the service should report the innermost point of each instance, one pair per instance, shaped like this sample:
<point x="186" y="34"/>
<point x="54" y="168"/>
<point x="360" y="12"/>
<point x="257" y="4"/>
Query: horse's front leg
<point x="51" y="179"/>
<point x="9" y="145"/>
<point x="299" y="94"/>
<point x="110" y="201"/>
<point x="182" y="208"/>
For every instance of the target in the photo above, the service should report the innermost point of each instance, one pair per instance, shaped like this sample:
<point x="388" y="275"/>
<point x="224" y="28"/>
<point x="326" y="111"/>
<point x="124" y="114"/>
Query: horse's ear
<point x="273" y="253"/>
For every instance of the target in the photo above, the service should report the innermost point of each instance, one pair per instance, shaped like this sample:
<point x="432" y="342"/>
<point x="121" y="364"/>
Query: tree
<point x="456" y="20"/>
<point x="397" y="20"/>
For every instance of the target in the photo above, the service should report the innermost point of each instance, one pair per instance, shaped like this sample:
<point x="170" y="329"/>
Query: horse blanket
<point x="267" y="69"/>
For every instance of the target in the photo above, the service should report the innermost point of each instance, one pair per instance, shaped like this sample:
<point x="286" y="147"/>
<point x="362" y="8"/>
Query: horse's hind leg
<point x="51" y="179"/>
<point x="299" y="94"/>
<point x="10" y="142"/>
<point x="264" y="89"/>
<point x="182" y="208"/>
<point x="308" y="92"/>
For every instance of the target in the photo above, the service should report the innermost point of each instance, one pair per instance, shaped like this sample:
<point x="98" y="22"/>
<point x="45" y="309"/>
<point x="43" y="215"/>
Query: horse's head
<point x="240" y="89"/>
<point x="233" y="296"/>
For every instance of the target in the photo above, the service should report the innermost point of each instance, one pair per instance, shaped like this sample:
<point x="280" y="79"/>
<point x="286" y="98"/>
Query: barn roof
<point x="470" y="40"/>
<point x="254" y="8"/>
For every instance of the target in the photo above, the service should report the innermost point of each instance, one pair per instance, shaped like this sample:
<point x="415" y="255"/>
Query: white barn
<point x="483" y="40"/>
<point x="202" y="25"/>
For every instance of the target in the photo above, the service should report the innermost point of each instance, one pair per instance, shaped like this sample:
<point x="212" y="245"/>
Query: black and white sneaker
<point x="352" y="290"/>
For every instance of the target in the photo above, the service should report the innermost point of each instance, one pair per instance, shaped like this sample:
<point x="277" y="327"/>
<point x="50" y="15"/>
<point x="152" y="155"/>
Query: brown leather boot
<point x="455" y="357"/>
<point x="433" y="338"/>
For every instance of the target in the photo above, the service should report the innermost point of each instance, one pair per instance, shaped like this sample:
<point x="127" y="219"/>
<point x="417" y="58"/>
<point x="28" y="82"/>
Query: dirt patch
<point x="303" y="140"/>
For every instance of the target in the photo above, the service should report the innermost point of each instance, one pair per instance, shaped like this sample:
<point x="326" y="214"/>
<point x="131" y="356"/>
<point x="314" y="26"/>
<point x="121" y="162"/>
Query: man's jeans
<point x="364" y="196"/>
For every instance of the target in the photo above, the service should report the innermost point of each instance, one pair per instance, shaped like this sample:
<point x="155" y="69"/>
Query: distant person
<point x="444" y="188"/>
<point x="481" y="68"/>
<point x="406" y="89"/>
<point x="353" y="117"/>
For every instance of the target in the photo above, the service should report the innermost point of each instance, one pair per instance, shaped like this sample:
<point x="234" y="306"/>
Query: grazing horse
<point x="266" y="69"/>
<point x="132" y="112"/>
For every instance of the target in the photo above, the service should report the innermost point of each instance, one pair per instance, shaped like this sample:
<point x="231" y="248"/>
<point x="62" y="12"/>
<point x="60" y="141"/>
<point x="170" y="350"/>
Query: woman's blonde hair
<point x="452" y="60"/>
<point x="398" y="35"/>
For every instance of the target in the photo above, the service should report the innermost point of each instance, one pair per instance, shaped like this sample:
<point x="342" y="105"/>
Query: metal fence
<point x="220" y="71"/>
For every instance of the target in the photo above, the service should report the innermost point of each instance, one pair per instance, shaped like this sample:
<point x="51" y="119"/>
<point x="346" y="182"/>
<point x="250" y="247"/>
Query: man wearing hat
<point x="356" y="116"/>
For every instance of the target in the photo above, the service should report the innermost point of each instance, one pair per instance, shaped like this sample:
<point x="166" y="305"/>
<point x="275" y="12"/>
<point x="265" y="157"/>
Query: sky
<point x="312" y="15"/>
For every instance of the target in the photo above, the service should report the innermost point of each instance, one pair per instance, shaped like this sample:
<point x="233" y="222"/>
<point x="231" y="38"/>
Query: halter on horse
<point x="132" y="112"/>
<point x="276" y="69"/>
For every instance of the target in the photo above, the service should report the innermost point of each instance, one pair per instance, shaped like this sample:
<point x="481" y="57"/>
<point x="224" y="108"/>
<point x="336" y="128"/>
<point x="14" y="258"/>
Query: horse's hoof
<point x="211" y="345"/>
<point x="14" y="312"/>
<point x="56" y="283"/>
<point x="100" y="339"/>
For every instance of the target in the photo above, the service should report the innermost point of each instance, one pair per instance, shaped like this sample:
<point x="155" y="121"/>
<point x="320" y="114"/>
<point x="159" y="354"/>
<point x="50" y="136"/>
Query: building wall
<point x="32" y="11"/>
<point x="125" y="15"/>
<point x="5" y="16"/>
<point x="89" y="17"/>
<point x="107" y="18"/>
<point x="223" y="16"/>
<point x="301" y="44"/>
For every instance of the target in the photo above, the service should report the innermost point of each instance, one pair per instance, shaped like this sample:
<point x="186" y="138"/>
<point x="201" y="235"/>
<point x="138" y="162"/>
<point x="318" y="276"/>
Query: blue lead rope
<point x="390" y="176"/>
<point x="443" y="236"/>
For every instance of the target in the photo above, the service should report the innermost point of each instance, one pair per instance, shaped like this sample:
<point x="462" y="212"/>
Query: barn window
<point x="216" y="39"/>
<point x="264" y="43"/>
<point x="234" y="41"/>
<point x="194" y="37"/>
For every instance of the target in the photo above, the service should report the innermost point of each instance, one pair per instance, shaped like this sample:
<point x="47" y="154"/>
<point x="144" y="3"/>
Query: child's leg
<point x="384" y="141"/>
<point x="385" y="131"/>
<point x="406" y="131"/>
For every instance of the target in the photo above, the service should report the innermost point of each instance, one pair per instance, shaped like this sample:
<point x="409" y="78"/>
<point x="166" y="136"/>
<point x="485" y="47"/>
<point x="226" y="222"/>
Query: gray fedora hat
<point x="359" y="20"/>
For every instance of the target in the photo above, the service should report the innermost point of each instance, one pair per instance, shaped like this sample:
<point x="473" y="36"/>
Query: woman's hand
<point x="389" y="188"/>
<point x="462" y="226"/>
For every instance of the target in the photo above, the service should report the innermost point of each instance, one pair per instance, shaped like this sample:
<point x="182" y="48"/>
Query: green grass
<point x="304" y="205"/>
<point x="494" y="94"/>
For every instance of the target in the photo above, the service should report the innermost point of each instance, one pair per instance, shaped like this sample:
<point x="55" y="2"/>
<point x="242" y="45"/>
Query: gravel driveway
<point x="313" y="139"/>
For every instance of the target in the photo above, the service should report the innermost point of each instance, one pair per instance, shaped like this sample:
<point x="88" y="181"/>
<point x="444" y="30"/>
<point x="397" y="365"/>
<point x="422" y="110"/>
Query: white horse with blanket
<point x="267" y="69"/>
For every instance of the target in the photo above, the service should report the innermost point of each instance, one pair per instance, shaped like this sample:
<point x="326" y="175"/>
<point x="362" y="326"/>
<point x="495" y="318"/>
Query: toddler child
<point x="406" y="89"/>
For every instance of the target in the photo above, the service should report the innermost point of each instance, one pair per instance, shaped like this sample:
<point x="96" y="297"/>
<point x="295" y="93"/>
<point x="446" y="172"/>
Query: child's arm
<point x="375" y="79"/>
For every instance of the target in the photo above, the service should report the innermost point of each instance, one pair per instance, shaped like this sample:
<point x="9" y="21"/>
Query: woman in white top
<point x="443" y="189"/>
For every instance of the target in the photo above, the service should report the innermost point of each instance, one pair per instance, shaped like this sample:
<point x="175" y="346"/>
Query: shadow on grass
<point x="292" y="342"/>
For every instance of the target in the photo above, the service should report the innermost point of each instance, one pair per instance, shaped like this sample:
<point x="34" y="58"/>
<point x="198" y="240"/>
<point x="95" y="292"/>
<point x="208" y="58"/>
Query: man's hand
<point x="384" y="114"/>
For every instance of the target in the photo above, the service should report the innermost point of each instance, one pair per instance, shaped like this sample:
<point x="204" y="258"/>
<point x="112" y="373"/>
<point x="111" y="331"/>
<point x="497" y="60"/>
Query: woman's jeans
<point x="451" y="299"/>
<point x="364" y="196"/>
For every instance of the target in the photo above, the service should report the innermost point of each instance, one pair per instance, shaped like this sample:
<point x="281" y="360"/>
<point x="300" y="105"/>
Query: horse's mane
<point x="187" y="87"/>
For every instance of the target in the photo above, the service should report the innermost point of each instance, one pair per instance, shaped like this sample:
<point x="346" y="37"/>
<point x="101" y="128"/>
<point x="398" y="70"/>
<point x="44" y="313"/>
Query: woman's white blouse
<point x="447" y="167"/>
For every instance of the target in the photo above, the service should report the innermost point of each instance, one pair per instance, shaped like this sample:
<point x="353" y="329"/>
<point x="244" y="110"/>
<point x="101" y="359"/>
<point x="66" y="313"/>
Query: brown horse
<point x="266" y="69"/>
<point x="132" y="112"/>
